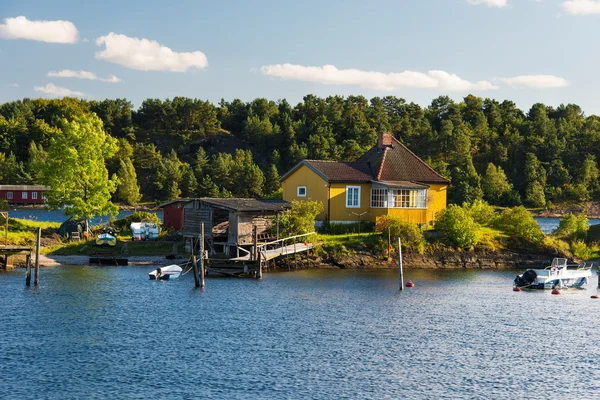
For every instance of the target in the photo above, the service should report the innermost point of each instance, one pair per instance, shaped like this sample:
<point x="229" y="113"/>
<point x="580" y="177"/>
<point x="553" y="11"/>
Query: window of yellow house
<point x="352" y="196"/>
<point x="379" y="198"/>
<point x="301" y="191"/>
<point x="405" y="198"/>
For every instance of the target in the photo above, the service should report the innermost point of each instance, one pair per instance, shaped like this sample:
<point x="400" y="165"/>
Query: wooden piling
<point x="195" y="265"/>
<point x="400" y="272"/>
<point x="254" y="243"/>
<point x="36" y="276"/>
<point x="259" y="270"/>
<point x="28" y="272"/>
<point x="202" y="256"/>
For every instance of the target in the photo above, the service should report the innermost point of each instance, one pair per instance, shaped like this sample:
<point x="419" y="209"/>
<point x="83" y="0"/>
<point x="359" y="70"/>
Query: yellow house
<point x="389" y="179"/>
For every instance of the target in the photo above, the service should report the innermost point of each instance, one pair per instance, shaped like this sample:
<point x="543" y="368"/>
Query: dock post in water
<point x="254" y="243"/>
<point x="202" y="256"/>
<point x="194" y="265"/>
<point x="36" y="276"/>
<point x="400" y="272"/>
<point x="28" y="273"/>
<point x="259" y="270"/>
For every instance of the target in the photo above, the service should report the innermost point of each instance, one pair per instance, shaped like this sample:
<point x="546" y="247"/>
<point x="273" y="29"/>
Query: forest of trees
<point x="189" y="148"/>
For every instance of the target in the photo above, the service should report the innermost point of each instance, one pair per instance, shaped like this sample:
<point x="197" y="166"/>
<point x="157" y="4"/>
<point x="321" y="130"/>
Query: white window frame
<point x="9" y="195"/>
<point x="298" y="191"/>
<point x="404" y="196"/>
<point x="382" y="197"/>
<point x="23" y="195"/>
<point x="34" y="196"/>
<point x="350" y="189"/>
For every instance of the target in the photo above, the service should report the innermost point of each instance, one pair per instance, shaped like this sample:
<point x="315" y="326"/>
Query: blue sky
<point x="527" y="51"/>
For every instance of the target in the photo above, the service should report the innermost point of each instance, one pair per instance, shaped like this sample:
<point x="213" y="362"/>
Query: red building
<point x="23" y="194"/>
<point x="173" y="214"/>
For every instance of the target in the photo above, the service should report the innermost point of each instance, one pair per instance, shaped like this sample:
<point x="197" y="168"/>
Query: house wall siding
<point x="316" y="188"/>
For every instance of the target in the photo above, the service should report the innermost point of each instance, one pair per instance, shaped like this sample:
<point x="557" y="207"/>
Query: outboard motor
<point x="526" y="279"/>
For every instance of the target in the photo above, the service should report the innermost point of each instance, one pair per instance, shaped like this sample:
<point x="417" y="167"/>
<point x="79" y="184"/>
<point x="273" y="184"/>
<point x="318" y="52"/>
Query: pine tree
<point x="128" y="189"/>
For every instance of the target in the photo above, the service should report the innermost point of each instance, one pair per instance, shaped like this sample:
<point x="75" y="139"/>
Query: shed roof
<point x="248" y="205"/>
<point x="174" y="201"/>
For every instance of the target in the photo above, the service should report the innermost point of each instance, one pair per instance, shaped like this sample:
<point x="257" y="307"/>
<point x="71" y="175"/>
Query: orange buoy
<point x="595" y="296"/>
<point x="410" y="284"/>
<point x="516" y="289"/>
<point x="555" y="291"/>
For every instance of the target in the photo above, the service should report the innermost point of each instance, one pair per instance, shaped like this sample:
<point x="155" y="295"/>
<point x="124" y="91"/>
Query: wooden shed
<point x="228" y="223"/>
<point x="173" y="214"/>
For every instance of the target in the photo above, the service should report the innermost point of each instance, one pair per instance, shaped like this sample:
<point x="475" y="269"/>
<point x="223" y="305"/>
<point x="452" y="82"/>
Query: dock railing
<point x="287" y="245"/>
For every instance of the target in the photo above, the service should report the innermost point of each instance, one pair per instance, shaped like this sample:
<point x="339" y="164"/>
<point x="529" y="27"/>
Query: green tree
<point x="75" y="168"/>
<point x="300" y="218"/>
<point x="519" y="223"/>
<point x="458" y="225"/>
<point x="128" y="189"/>
<point x="495" y="184"/>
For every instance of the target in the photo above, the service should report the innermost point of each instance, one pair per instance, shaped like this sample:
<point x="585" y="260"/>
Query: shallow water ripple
<point x="110" y="333"/>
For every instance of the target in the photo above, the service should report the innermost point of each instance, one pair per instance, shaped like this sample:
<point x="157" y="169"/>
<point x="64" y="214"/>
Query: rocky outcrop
<point x="498" y="260"/>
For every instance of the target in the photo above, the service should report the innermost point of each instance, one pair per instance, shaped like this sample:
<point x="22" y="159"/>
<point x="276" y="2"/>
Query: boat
<point x="106" y="238"/>
<point x="145" y="230"/>
<point x="558" y="275"/>
<point x="167" y="273"/>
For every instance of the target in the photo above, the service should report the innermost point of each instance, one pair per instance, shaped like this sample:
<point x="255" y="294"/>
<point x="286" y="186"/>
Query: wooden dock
<point x="107" y="257"/>
<point x="255" y="261"/>
<point x="7" y="251"/>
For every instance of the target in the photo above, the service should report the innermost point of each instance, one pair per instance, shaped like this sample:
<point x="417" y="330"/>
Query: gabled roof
<point x="392" y="162"/>
<point x="335" y="171"/>
<point x="398" y="163"/>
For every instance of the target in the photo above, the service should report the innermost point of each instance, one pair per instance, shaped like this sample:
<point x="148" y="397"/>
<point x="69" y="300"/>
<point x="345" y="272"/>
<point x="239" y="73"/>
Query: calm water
<point x="548" y="225"/>
<point x="59" y="216"/>
<point x="105" y="332"/>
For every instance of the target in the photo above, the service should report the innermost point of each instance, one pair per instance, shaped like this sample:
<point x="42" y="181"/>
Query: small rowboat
<point x="167" y="273"/>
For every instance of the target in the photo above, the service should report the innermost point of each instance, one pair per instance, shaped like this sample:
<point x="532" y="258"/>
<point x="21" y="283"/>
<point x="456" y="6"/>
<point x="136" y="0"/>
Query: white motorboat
<point x="145" y="230"/>
<point x="557" y="275"/>
<point x="167" y="273"/>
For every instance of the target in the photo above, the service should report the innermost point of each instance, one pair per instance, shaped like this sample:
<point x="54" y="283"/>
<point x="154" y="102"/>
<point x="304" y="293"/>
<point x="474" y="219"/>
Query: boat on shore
<point x="168" y="273"/>
<point x="558" y="275"/>
<point x="145" y="230"/>
<point x="106" y="238"/>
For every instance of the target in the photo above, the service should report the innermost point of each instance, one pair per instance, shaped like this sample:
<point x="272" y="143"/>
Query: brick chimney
<point x="384" y="140"/>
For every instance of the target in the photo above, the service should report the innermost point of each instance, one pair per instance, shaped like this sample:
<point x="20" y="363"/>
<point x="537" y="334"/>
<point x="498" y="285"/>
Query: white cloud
<point x="13" y="85"/>
<point x="536" y="81"/>
<point x="43" y="31"/>
<point x="147" y="55"/>
<point x="329" y="74"/>
<point x="57" y="91"/>
<point x="582" y="7"/>
<point x="489" y="3"/>
<point x="67" y="73"/>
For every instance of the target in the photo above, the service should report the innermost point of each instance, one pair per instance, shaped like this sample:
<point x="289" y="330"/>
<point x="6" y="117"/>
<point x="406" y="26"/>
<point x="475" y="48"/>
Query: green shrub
<point x="481" y="212"/>
<point x="519" y="223"/>
<point x="123" y="223"/>
<point x="581" y="250"/>
<point x="573" y="227"/>
<point x="410" y="233"/>
<point x="300" y="218"/>
<point x="459" y="226"/>
<point x="329" y="228"/>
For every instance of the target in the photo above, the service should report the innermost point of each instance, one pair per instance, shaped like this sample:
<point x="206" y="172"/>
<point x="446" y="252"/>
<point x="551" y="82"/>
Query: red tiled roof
<point x="336" y="171"/>
<point x="398" y="163"/>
